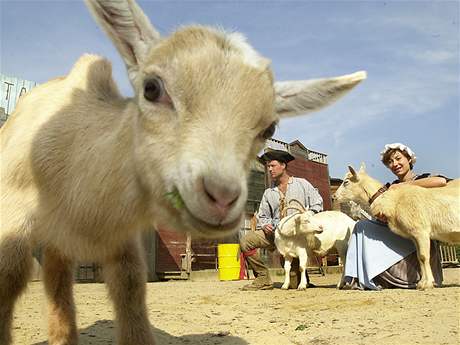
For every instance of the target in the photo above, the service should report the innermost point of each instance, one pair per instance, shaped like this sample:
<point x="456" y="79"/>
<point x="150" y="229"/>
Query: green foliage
<point x="301" y="327"/>
<point x="175" y="199"/>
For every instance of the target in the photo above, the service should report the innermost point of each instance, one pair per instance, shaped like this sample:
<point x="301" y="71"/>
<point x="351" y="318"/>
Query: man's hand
<point x="267" y="229"/>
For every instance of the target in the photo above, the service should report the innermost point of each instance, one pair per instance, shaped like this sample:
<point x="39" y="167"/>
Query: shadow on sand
<point x="102" y="332"/>
<point x="277" y="285"/>
<point x="448" y="285"/>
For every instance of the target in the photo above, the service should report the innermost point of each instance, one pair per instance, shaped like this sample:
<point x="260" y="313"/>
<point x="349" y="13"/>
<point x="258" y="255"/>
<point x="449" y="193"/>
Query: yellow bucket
<point x="229" y="261"/>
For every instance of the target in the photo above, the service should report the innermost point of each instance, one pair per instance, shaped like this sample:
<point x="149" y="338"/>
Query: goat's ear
<point x="320" y="229"/>
<point x="129" y="29"/>
<point x="353" y="172"/>
<point x="304" y="96"/>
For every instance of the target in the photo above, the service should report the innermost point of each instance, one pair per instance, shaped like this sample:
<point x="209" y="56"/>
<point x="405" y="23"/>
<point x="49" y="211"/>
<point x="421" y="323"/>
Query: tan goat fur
<point x="413" y="212"/>
<point x="85" y="170"/>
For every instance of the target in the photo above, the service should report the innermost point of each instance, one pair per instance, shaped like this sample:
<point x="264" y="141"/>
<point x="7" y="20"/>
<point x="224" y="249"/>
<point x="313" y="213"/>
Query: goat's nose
<point x="221" y="194"/>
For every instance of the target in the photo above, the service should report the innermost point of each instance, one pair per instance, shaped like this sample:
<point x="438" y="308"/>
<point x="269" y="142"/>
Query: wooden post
<point x="188" y="253"/>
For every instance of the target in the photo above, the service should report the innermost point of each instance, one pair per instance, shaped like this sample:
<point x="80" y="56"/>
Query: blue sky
<point x="410" y="50"/>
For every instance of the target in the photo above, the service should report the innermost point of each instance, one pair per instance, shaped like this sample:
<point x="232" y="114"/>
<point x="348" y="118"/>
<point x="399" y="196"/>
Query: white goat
<point x="305" y="234"/>
<point x="84" y="170"/>
<point x="412" y="212"/>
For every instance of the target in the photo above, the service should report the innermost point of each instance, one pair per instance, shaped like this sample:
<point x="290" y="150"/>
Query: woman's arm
<point x="430" y="182"/>
<point x="426" y="182"/>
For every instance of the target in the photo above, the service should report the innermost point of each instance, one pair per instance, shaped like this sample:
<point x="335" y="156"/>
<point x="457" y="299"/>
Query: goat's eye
<point x="153" y="89"/>
<point x="269" y="131"/>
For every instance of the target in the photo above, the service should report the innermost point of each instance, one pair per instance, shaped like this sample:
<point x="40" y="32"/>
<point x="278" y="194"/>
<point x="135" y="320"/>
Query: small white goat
<point x="84" y="170"/>
<point x="412" y="212"/>
<point x="305" y="234"/>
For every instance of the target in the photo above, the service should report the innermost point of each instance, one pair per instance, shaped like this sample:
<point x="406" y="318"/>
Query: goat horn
<point x="298" y="203"/>
<point x="295" y="208"/>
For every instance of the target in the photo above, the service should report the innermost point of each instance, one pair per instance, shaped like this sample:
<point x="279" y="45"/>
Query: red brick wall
<point x="171" y="245"/>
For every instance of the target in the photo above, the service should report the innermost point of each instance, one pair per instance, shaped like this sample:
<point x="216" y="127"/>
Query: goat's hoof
<point x="285" y="287"/>
<point x="341" y="284"/>
<point x="422" y="285"/>
<point x="301" y="288"/>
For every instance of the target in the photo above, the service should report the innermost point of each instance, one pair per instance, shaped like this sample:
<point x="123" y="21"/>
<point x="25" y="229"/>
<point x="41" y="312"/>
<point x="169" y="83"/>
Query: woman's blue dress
<point x="372" y="249"/>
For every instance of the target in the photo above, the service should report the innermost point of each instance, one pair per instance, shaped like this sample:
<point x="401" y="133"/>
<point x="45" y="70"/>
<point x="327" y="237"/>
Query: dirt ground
<point x="184" y="312"/>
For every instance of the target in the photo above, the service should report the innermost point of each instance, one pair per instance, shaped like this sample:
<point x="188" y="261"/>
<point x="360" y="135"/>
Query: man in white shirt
<point x="271" y="210"/>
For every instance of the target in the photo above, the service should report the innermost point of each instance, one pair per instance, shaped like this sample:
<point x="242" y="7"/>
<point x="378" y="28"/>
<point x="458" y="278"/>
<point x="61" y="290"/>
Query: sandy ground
<point x="183" y="312"/>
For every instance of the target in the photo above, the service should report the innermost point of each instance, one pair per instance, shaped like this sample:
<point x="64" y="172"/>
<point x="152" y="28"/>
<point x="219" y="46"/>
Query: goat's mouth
<point x="194" y="223"/>
<point x="210" y="230"/>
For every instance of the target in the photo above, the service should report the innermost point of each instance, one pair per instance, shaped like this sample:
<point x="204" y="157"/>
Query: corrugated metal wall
<point x="11" y="89"/>
<point x="256" y="187"/>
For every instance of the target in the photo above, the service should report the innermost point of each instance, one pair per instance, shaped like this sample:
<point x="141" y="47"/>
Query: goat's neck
<point x="119" y="167"/>
<point x="370" y="186"/>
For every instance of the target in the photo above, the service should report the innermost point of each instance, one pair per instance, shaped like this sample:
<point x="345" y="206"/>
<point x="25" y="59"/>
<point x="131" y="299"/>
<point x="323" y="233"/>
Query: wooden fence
<point x="448" y="255"/>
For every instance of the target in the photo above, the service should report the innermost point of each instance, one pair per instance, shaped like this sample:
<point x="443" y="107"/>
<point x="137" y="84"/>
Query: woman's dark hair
<point x="387" y="155"/>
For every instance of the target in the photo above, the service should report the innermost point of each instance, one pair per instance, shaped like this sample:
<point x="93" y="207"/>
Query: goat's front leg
<point x="303" y="257"/>
<point x="343" y="256"/>
<point x="125" y="275"/>
<point x="58" y="281"/>
<point x="287" y="270"/>
<point x="422" y="242"/>
<point x="15" y="268"/>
